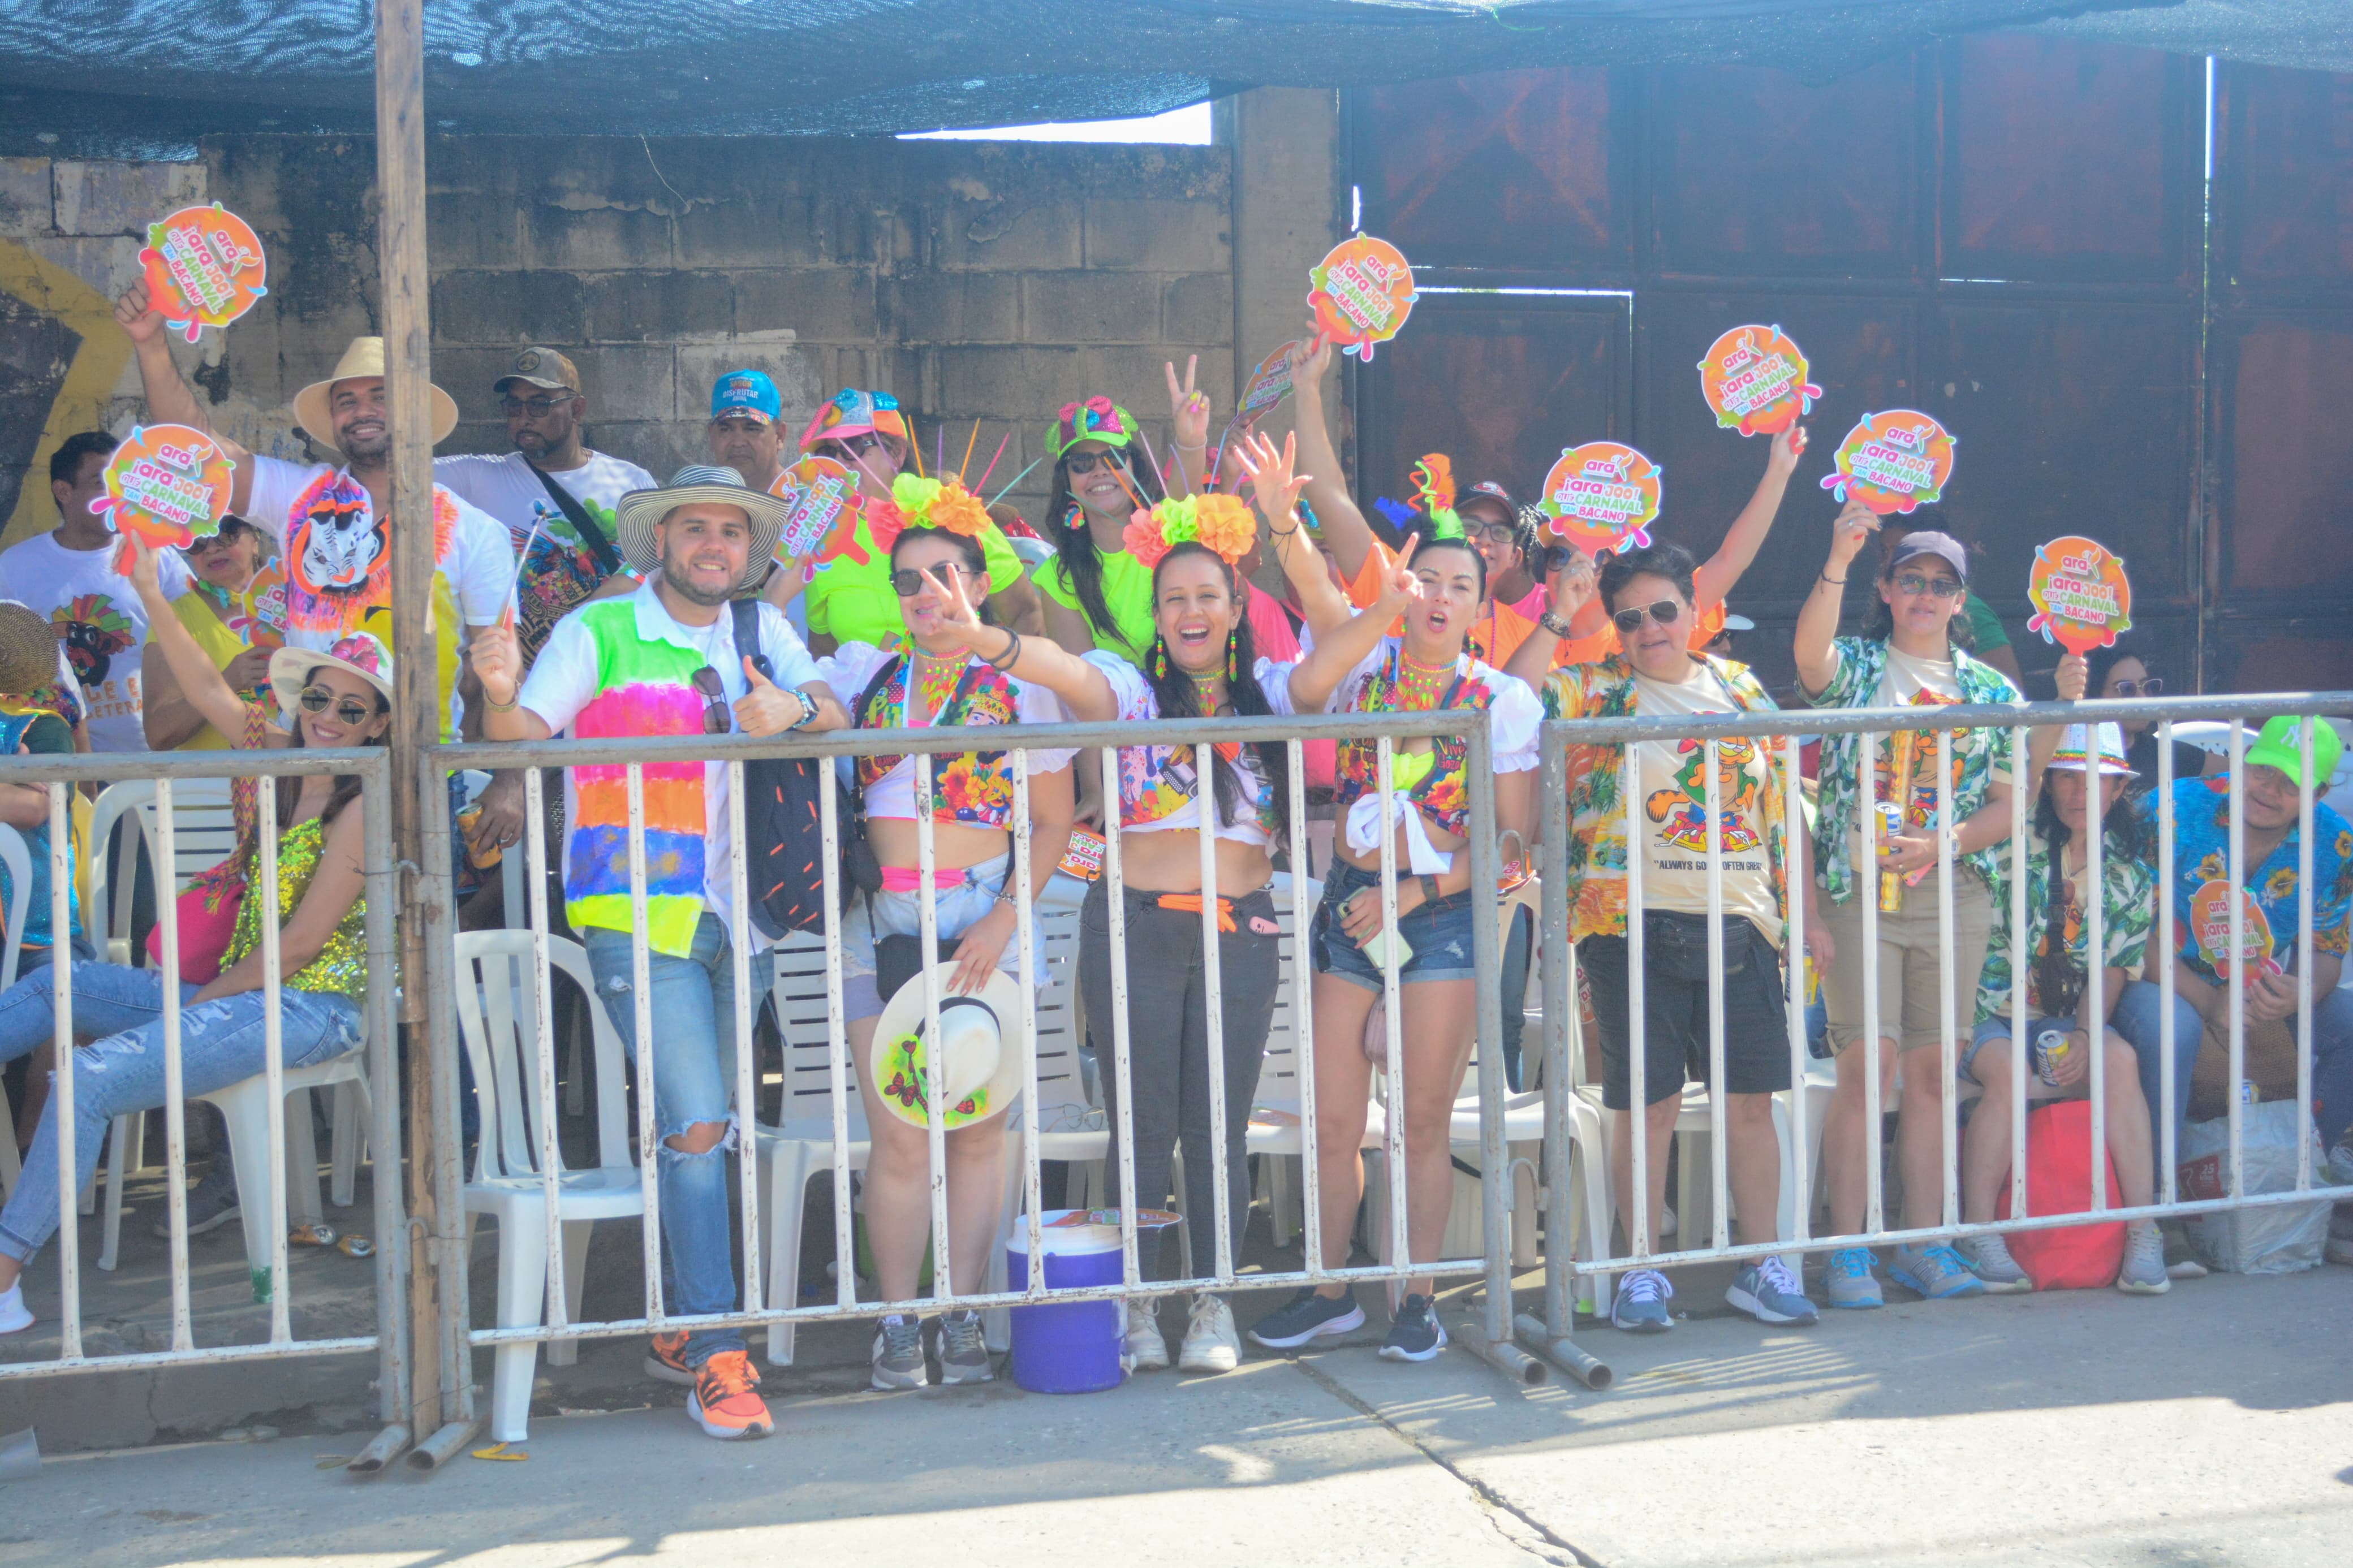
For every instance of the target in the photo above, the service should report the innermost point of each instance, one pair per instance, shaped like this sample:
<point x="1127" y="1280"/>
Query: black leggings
<point x="1169" y="1048"/>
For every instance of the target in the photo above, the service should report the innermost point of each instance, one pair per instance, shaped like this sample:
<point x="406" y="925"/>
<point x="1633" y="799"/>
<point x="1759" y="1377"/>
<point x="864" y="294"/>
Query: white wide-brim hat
<point x="636" y="515"/>
<point x="314" y="407"/>
<point x="2073" y="754"/>
<point x="982" y="1051"/>
<point x="362" y="654"/>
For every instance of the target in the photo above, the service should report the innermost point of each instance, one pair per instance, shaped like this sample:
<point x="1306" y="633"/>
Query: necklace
<point x="1420" y="685"/>
<point x="1204" y="695"/>
<point x="935" y="678"/>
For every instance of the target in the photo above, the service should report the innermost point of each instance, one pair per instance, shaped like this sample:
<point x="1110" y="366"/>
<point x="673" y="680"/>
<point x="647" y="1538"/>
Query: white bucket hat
<point x="2075" y="745"/>
<point x="637" y="513"/>
<point x="981" y="1047"/>
<point x="362" y="654"/>
<point x="314" y="408"/>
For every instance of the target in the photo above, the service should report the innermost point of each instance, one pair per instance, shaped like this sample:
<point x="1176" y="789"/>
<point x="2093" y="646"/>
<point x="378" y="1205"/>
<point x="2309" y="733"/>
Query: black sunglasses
<point x="350" y="711"/>
<point x="537" y="407"/>
<point x="1941" y="587"/>
<point x="2152" y="687"/>
<point x="1663" y="612"/>
<point x="859" y="445"/>
<point x="716" y="719"/>
<point x="1561" y="557"/>
<point x="1088" y="462"/>
<point x="908" y="581"/>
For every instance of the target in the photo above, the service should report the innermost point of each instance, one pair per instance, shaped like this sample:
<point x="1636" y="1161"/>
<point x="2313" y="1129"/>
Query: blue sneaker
<point x="1769" y="1293"/>
<point x="1307" y="1316"/>
<point x="1641" y="1304"/>
<point x="1935" y="1272"/>
<point x="1848" y="1283"/>
<point x="1416" y="1335"/>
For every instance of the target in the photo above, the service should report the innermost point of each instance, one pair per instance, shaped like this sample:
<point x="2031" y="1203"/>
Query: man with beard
<point x="328" y="519"/>
<point x="68" y="574"/>
<point x="664" y="661"/>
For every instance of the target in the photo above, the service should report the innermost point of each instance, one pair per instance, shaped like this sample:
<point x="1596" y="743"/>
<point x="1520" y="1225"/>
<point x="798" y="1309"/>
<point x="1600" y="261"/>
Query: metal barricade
<point x="271" y="769"/>
<point x="923" y="745"/>
<point x="1781" y="730"/>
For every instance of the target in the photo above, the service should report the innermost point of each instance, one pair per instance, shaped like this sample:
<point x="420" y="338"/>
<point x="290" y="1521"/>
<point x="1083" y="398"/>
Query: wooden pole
<point x="441" y="1385"/>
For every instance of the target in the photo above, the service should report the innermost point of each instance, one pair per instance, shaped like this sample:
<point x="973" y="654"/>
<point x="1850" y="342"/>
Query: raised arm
<point x="200" y="685"/>
<point x="1817" y="619"/>
<point x="1345" y="533"/>
<point x="169" y="400"/>
<point x="1315" y="678"/>
<point x="1572" y="595"/>
<point x="1276" y="483"/>
<point x="497" y="661"/>
<point x="1721" y="572"/>
<point x="1040" y="660"/>
<point x="2073" y="676"/>
<point x="1189" y="418"/>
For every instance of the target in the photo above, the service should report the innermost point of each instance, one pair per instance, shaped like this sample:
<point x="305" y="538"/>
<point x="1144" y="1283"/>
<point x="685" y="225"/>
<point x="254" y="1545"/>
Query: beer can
<point x="2049" y="1049"/>
<point x="1890" y="885"/>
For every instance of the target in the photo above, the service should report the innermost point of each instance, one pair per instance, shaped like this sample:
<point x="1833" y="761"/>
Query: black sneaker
<point x="211" y="1204"/>
<point x="1416" y="1335"/>
<point x="1307" y="1316"/>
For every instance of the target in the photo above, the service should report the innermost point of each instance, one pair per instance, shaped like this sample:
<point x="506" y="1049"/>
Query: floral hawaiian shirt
<point x="1863" y="661"/>
<point x="2201" y="889"/>
<point x="2127" y="910"/>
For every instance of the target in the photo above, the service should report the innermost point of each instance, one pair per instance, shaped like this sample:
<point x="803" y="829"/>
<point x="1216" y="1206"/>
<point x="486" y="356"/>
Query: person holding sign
<point x="1906" y="657"/>
<point x="216" y="613"/>
<point x="2204" y="971"/>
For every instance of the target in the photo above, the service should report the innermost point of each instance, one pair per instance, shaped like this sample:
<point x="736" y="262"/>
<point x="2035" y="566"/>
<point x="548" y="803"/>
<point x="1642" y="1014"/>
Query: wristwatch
<point x="809" y="707"/>
<point x="1429" y="893"/>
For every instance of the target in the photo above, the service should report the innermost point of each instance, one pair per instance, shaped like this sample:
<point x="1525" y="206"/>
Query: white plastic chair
<point x="18" y="862"/>
<point x="498" y="1020"/>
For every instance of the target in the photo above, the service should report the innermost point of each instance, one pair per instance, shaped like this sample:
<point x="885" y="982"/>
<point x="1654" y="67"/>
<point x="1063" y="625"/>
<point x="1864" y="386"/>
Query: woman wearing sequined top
<point x="339" y="698"/>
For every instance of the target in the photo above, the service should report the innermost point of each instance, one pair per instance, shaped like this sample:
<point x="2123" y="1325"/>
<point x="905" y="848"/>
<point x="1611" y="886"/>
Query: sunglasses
<point x="1561" y="557"/>
<point x="1088" y="462"/>
<point x="537" y="407"/>
<point x="716" y="719"/>
<point x="858" y="445"/>
<point x="1663" y="612"/>
<point x="2152" y="687"/>
<point x="908" y="581"/>
<point x="1939" y="587"/>
<point x="351" y="709"/>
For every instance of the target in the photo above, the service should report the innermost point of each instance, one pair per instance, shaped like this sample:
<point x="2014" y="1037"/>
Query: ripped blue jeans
<point x="693" y="1009"/>
<point x="221" y="1043"/>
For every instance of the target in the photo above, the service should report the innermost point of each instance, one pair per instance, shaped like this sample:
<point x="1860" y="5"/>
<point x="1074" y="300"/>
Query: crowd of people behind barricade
<point x="575" y="595"/>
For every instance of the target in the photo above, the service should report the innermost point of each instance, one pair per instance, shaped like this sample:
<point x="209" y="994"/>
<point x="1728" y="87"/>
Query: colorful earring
<point x="1159" y="658"/>
<point x="1233" y="646"/>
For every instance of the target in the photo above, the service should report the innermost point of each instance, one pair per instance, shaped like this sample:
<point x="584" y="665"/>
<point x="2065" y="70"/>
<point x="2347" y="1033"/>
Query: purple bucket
<point x="1071" y="1347"/>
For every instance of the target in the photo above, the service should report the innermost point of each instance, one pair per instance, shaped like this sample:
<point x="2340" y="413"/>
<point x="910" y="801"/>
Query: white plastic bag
<point x="2274" y="1238"/>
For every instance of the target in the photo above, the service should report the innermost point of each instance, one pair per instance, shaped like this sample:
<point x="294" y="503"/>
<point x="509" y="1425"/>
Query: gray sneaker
<point x="1767" y="1292"/>
<point x="963" y="1353"/>
<point x="1936" y="1273"/>
<point x="212" y="1203"/>
<point x="1639" y="1306"/>
<point x="1848" y="1280"/>
<point x="2144" y="1272"/>
<point x="898" y="1356"/>
<point x="1990" y="1259"/>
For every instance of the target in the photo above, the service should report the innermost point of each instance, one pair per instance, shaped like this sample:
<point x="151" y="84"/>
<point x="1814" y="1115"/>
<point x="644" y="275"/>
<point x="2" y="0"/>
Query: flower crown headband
<point x="1222" y="523"/>
<point x="918" y="502"/>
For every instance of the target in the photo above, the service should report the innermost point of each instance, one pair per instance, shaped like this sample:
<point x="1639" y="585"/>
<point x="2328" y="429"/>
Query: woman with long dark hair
<point x="939" y="570"/>
<point x="2053" y="958"/>
<point x="339" y="698"/>
<point x="1201" y="663"/>
<point x="1097" y="594"/>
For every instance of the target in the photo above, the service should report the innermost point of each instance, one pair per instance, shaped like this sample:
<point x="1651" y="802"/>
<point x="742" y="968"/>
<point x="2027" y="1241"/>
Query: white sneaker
<point x="1210" y="1342"/>
<point x="16" y="1317"/>
<point x="1146" y="1349"/>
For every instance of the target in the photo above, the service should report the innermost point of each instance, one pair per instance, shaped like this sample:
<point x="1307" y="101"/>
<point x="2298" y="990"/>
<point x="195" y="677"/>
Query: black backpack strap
<point x="747" y="635"/>
<point x="607" y="560"/>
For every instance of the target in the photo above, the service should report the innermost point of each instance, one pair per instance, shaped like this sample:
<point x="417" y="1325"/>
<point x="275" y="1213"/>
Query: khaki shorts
<point x="1909" y="993"/>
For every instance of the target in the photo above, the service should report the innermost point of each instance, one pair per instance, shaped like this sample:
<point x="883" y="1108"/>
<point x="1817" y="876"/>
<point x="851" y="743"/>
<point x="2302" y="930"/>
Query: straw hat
<point x="637" y="513"/>
<point x="28" y="649"/>
<point x="981" y="1043"/>
<point x="362" y="654"/>
<point x="361" y="360"/>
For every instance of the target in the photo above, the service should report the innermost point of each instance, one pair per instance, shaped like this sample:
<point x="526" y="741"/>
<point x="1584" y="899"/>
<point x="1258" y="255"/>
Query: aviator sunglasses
<point x="1629" y="620"/>
<point x="350" y="711"/>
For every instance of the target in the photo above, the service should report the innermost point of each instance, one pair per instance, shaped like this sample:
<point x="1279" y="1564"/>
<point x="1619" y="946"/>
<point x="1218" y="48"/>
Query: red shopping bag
<point x="2059" y="1181"/>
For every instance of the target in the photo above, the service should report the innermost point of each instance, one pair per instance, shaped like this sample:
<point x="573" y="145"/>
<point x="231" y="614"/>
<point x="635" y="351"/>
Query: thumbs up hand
<point x="766" y="708"/>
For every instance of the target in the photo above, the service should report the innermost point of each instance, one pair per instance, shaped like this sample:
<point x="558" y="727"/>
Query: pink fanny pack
<point x="908" y="879"/>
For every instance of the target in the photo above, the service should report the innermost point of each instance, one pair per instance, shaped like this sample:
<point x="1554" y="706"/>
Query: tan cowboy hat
<point x="28" y="649"/>
<point x="362" y="654"/>
<point x="637" y="514"/>
<point x="981" y="1044"/>
<point x="363" y="360"/>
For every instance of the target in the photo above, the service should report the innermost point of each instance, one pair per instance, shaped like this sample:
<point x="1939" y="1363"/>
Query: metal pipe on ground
<point x="1563" y="1352"/>
<point x="443" y="1446"/>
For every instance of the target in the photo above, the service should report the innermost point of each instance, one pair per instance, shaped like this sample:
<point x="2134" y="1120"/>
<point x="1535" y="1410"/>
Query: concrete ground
<point x="2207" y="1426"/>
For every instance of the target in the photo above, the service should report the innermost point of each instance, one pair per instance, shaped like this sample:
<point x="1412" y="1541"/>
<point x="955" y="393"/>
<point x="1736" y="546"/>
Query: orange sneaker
<point x="666" y="1359"/>
<point x="726" y="1402"/>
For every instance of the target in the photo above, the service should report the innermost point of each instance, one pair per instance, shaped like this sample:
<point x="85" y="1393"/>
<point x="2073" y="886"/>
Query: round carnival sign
<point x="2080" y="597"/>
<point x="1893" y="461"/>
<point x="819" y="491"/>
<point x="1754" y="380"/>
<point x="1602" y="497"/>
<point x="1361" y="294"/>
<point x="204" y="268"/>
<point x="166" y="486"/>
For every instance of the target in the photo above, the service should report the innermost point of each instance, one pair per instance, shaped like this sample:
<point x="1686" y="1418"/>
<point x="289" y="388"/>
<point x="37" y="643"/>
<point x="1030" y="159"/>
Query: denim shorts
<point x="1439" y="933"/>
<point x="882" y="914"/>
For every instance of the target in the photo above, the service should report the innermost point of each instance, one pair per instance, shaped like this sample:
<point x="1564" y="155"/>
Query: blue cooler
<point x="1071" y="1347"/>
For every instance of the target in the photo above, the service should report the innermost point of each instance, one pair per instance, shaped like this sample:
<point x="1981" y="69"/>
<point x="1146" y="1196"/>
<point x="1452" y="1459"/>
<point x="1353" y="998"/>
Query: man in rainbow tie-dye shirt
<point x="664" y="661"/>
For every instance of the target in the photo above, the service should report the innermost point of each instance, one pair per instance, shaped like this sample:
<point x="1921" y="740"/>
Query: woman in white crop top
<point x="1201" y="663"/>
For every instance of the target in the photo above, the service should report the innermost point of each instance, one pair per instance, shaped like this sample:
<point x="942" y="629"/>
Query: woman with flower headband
<point x="1201" y="663"/>
<point x="338" y="697"/>
<point x="938" y="570"/>
<point x="1097" y="594"/>
<point x="1423" y="667"/>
